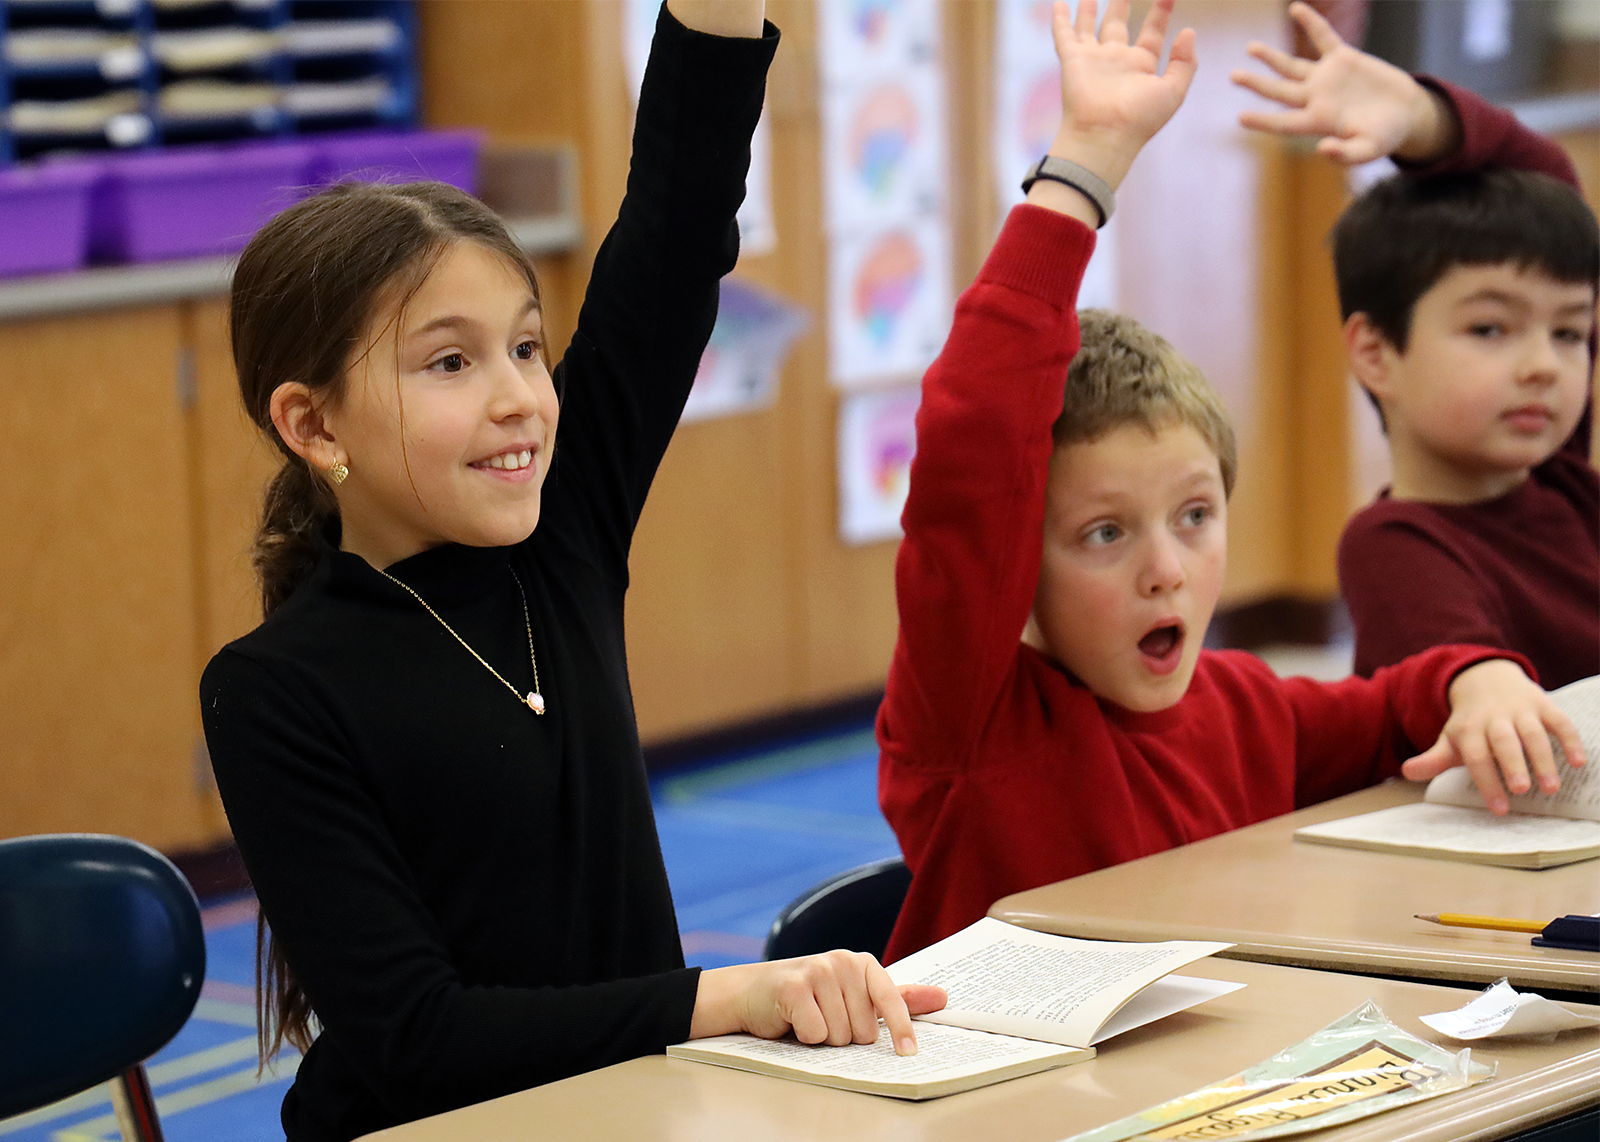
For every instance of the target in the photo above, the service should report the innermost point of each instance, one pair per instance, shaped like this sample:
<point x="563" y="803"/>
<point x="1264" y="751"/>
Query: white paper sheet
<point x="1503" y="1011"/>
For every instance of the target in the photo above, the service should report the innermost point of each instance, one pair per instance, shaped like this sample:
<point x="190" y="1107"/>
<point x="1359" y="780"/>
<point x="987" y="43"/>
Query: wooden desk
<point x="661" y="1098"/>
<point x="1285" y="901"/>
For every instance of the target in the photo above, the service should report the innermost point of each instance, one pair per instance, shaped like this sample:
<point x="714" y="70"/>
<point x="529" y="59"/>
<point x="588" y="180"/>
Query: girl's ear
<point x="298" y="418"/>
<point x="1369" y="353"/>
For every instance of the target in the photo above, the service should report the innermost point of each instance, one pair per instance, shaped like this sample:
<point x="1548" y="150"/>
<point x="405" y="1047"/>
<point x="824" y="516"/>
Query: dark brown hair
<point x="1394" y="243"/>
<point x="307" y="295"/>
<point x="1125" y="374"/>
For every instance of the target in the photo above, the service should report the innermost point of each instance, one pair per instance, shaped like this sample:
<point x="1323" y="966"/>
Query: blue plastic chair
<point x="855" y="910"/>
<point x="101" y="961"/>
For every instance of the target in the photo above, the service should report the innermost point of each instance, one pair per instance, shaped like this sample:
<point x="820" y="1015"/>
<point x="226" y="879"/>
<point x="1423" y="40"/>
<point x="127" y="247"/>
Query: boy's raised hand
<point x="1113" y="95"/>
<point x="1357" y="106"/>
<point x="1499" y="728"/>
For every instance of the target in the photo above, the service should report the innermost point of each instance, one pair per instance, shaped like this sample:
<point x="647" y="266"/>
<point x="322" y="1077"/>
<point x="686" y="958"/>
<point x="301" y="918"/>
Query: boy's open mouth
<point x="1163" y="643"/>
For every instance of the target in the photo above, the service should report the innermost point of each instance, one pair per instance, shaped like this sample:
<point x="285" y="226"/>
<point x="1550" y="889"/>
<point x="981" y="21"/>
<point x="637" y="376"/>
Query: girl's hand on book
<point x="1114" y="96"/>
<point x="1358" y="106"/>
<point x="835" y="998"/>
<point x="1500" y="727"/>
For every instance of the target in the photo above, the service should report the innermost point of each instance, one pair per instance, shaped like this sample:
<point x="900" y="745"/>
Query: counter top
<point x="155" y="283"/>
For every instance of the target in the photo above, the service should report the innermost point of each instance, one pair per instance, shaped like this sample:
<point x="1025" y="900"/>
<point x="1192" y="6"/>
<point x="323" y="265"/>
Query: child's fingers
<point x="831" y="993"/>
<point x="1536" y="748"/>
<point x="1288" y="92"/>
<point x="1565" y="730"/>
<point x="1505" y="744"/>
<point x="892" y="1005"/>
<point x="1153" y="32"/>
<point x="1181" y="63"/>
<point x="1286" y="65"/>
<point x="1114" y="28"/>
<point x="1086" y="20"/>
<point x="1431" y="762"/>
<point x="1480" y="762"/>
<point x="805" y="1018"/>
<point x="921" y="998"/>
<point x="1317" y="29"/>
<point x="1280" y="122"/>
<point x="1350" y="152"/>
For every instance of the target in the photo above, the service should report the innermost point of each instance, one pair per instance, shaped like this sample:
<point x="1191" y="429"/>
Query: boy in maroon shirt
<point x="1049" y="710"/>
<point x="1468" y="297"/>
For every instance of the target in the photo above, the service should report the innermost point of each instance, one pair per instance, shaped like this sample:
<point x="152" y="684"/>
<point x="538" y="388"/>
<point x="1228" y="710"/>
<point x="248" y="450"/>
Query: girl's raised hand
<point x="1113" y="95"/>
<point x="1499" y="728"/>
<point x="835" y="998"/>
<point x="1357" y="106"/>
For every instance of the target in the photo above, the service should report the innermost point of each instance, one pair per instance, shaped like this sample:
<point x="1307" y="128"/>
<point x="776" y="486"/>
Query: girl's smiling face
<point x="448" y="420"/>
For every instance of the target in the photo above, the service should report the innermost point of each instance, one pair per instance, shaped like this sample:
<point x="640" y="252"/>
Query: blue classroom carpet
<point x="743" y="834"/>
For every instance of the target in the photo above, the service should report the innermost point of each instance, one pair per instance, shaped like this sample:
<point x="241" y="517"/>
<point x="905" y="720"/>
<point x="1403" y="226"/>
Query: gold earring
<point x="337" y="472"/>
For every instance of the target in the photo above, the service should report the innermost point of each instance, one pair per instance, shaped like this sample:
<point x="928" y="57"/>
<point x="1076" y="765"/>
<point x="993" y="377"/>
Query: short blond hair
<point x="1125" y="374"/>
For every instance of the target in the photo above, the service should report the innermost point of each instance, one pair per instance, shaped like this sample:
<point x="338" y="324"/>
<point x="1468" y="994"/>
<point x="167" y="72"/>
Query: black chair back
<point x="101" y="961"/>
<point x="855" y="910"/>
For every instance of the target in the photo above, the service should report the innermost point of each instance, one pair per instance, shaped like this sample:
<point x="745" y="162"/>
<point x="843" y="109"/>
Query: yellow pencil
<point x="1498" y="923"/>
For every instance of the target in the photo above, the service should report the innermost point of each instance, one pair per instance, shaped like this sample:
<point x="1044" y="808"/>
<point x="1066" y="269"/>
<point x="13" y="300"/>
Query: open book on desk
<point x="1020" y="1002"/>
<point x="1542" y="830"/>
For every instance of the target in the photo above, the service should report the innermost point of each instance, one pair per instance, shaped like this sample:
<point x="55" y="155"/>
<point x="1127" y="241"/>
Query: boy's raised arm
<point x="966" y="572"/>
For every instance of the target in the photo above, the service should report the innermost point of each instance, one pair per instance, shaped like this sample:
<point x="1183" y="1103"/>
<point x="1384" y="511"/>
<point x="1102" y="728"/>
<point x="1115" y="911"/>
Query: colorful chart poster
<point x="757" y="232"/>
<point x="885" y="166"/>
<point x="739" y="369"/>
<point x="877" y="439"/>
<point x="888" y="301"/>
<point x="875" y="37"/>
<point x="887" y="153"/>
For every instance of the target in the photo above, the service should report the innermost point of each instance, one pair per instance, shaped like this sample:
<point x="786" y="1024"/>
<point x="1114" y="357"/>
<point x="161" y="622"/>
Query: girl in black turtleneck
<point x="427" y="751"/>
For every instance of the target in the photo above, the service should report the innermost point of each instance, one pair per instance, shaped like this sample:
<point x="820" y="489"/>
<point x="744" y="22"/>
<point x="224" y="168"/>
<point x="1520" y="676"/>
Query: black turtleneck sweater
<point x="473" y="897"/>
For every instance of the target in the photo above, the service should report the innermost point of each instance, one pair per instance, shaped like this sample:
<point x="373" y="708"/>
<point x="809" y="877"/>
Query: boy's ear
<point x="297" y="416"/>
<point x="1369" y="352"/>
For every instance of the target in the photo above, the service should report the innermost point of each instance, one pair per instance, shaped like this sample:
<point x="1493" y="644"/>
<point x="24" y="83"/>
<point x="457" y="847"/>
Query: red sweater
<point x="1521" y="571"/>
<point x="1000" y="771"/>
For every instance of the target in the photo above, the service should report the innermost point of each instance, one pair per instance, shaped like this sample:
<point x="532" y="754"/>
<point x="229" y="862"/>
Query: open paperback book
<point x="1541" y="831"/>
<point x="1020" y="1002"/>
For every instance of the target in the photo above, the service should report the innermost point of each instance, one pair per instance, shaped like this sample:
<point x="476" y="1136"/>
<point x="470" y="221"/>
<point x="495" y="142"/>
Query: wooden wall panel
<point x="232" y="463"/>
<point x="97" y="623"/>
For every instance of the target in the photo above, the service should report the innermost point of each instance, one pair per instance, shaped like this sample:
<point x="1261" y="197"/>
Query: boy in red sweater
<point x="1468" y="297"/>
<point x="1049" y="710"/>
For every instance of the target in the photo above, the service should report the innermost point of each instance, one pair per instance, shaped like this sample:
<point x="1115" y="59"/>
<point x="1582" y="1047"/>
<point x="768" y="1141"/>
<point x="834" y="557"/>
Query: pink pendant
<point x="535" y="702"/>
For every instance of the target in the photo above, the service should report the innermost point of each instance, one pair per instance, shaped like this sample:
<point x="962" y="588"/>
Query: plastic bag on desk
<point x="1359" y="1065"/>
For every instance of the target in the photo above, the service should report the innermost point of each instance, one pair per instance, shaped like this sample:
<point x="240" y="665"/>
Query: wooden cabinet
<point x="100" y="639"/>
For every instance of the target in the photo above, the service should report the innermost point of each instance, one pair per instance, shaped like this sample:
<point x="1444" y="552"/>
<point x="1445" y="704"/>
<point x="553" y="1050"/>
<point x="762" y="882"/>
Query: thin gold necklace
<point x="533" y="700"/>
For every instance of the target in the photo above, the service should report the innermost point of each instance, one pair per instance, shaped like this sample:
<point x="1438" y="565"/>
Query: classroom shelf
<point x="103" y="75"/>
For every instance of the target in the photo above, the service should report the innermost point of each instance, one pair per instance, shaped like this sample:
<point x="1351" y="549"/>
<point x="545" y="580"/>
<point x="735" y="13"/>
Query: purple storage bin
<point x="408" y="156"/>
<point x="194" y="201"/>
<point x="44" y="217"/>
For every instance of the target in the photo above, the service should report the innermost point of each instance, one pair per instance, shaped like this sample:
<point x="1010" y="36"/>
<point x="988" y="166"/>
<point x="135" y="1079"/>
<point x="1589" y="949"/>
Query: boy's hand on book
<point x="1113" y="94"/>
<point x="835" y="998"/>
<point x="1359" y="107"/>
<point x="1500" y="727"/>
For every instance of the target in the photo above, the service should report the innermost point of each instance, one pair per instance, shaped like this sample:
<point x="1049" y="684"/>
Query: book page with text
<point x="1459" y="828"/>
<point x="943" y="1053"/>
<point x="1013" y="981"/>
